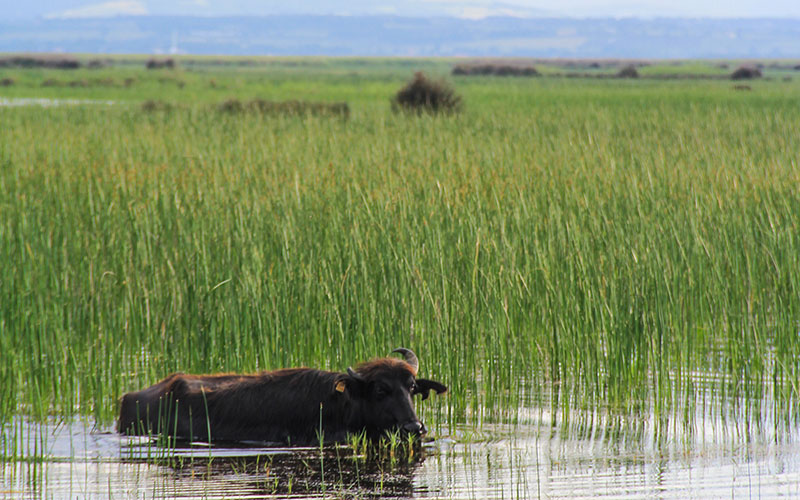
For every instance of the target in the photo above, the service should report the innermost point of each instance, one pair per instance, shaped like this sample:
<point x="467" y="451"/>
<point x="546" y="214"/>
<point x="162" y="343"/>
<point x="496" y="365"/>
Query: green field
<point x="630" y="244"/>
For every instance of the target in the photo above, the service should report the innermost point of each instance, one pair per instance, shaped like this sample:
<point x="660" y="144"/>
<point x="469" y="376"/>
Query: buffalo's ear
<point x="347" y="385"/>
<point x="425" y="386"/>
<point x="352" y="383"/>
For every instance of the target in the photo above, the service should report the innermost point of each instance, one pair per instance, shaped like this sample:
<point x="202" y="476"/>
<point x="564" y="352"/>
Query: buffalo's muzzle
<point x="414" y="427"/>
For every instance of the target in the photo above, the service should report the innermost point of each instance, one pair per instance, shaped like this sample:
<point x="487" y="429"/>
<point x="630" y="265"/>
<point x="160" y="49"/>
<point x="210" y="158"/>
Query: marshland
<point x="604" y="271"/>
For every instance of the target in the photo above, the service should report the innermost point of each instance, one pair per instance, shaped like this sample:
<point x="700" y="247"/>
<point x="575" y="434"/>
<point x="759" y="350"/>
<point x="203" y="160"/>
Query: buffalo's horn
<point x="411" y="358"/>
<point x="355" y="375"/>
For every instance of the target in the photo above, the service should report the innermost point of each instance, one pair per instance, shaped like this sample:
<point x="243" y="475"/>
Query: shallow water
<point x="47" y="102"/>
<point x="563" y="455"/>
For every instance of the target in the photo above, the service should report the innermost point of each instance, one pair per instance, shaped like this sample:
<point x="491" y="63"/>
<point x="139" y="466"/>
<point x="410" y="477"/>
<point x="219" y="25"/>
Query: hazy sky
<point x="459" y="8"/>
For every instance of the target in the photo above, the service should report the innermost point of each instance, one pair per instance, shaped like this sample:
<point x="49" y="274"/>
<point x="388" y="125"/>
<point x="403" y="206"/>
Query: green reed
<point x="612" y="241"/>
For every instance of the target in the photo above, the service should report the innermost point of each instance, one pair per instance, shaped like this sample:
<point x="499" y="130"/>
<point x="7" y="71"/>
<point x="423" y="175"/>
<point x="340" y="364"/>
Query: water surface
<point x="45" y="102"/>
<point x="588" y="454"/>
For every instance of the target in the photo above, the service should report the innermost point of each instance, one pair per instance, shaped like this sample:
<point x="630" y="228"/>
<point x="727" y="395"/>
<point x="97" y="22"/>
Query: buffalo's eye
<point x="381" y="391"/>
<point x="413" y="387"/>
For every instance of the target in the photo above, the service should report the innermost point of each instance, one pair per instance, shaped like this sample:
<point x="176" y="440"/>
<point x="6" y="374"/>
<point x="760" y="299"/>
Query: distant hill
<point x="402" y="36"/>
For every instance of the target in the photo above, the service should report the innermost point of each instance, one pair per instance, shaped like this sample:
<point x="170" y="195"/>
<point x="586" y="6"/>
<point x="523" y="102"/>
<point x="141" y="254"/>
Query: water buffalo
<point x="289" y="406"/>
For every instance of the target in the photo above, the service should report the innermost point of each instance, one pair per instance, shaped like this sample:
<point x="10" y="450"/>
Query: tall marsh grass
<point x="613" y="243"/>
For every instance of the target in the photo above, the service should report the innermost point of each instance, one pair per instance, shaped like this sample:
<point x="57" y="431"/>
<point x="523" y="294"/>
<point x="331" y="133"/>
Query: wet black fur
<point x="289" y="406"/>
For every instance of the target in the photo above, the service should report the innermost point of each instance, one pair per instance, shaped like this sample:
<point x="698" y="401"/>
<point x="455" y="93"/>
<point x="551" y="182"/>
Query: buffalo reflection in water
<point x="235" y="472"/>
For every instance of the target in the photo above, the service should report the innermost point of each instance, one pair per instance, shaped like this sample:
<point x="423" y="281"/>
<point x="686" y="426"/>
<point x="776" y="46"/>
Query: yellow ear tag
<point x="340" y="386"/>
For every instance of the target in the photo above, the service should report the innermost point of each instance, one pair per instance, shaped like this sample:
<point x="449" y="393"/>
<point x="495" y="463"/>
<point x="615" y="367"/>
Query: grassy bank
<point x="613" y="240"/>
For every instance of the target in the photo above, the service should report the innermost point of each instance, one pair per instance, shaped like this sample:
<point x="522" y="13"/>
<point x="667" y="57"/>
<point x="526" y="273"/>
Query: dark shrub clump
<point x="151" y="105"/>
<point x="628" y="72"/>
<point x="285" y="108"/>
<point x="168" y="63"/>
<point x="299" y="108"/>
<point x="44" y="61"/>
<point x="746" y="73"/>
<point x="6" y="82"/>
<point x="231" y="106"/>
<point x="422" y="94"/>
<point x="494" y="69"/>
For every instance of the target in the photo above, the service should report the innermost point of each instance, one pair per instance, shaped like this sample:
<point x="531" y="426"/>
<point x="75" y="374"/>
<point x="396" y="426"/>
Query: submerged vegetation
<point x="494" y="69"/>
<point x="260" y="106"/>
<point x="290" y="108"/>
<point x="624" y="245"/>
